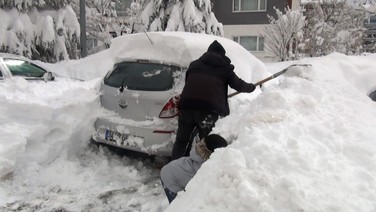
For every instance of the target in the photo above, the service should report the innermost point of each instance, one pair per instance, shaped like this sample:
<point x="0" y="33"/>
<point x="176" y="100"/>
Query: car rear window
<point x="142" y="76"/>
<point x="23" y="68"/>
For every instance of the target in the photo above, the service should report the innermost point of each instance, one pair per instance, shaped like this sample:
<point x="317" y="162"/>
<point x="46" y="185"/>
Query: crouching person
<point x="176" y="174"/>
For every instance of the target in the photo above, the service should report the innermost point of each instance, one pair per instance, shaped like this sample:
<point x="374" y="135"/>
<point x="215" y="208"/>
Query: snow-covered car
<point x="18" y="66"/>
<point x="139" y="95"/>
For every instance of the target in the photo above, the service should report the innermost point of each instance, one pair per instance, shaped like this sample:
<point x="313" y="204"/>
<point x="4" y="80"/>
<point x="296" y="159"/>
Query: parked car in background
<point x="139" y="95"/>
<point x="18" y="66"/>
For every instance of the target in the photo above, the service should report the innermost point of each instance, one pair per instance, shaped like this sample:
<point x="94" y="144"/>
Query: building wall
<point x="248" y="30"/>
<point x="295" y="4"/>
<point x="223" y="10"/>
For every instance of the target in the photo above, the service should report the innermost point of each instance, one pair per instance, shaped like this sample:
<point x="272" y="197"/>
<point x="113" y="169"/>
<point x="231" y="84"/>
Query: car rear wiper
<point x="121" y="89"/>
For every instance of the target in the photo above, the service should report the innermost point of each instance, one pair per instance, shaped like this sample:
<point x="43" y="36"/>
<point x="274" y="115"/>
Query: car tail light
<point x="170" y="109"/>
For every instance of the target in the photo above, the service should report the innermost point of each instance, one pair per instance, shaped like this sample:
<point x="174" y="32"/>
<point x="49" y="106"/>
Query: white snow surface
<point x="305" y="143"/>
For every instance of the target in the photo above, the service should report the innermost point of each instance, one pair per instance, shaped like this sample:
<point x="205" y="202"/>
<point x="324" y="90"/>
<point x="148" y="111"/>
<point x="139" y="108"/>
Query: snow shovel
<point x="271" y="77"/>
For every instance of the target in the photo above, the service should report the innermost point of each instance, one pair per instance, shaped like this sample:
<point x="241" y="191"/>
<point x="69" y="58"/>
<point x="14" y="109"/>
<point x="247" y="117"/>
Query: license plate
<point x="116" y="137"/>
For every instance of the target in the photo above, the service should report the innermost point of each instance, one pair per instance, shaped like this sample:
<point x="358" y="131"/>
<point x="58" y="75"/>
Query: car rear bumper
<point x="152" y="139"/>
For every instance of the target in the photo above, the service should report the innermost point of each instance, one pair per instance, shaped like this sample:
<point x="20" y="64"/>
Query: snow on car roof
<point x="181" y="48"/>
<point x="13" y="56"/>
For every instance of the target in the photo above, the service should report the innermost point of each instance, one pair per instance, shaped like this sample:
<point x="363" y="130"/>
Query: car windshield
<point x="23" y="68"/>
<point x="142" y="76"/>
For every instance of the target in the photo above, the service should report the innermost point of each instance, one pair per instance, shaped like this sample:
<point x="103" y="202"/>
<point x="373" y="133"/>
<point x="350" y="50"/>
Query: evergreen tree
<point x="174" y="15"/>
<point x="45" y="30"/>
<point x="21" y="5"/>
<point x="102" y="22"/>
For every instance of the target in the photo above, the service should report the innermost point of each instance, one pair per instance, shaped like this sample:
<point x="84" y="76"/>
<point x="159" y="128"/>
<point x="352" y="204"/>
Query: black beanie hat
<point x="216" y="47"/>
<point x="214" y="141"/>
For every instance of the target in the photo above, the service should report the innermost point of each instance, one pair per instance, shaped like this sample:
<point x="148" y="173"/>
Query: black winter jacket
<point x="207" y="81"/>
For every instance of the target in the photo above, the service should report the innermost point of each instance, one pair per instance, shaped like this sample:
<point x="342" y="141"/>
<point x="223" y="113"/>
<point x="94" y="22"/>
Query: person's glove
<point x="206" y="125"/>
<point x="252" y="87"/>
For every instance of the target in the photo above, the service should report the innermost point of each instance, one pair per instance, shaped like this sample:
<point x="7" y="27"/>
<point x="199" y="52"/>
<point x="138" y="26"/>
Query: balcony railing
<point x="370" y="25"/>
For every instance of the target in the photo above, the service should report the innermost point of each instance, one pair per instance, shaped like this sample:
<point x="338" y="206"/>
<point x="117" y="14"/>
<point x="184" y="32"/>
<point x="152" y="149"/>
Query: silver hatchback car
<point x="139" y="95"/>
<point x="18" y="66"/>
<point x="140" y="106"/>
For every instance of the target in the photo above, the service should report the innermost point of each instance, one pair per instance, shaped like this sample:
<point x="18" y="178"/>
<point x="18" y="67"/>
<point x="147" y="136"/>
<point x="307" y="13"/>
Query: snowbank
<point x="305" y="144"/>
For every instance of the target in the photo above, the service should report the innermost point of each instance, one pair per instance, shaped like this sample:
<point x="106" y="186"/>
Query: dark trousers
<point x="189" y="120"/>
<point x="170" y="195"/>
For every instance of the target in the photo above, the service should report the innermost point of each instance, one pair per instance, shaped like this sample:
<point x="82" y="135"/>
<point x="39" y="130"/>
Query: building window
<point x="372" y="20"/>
<point x="251" y="43"/>
<point x="249" y="5"/>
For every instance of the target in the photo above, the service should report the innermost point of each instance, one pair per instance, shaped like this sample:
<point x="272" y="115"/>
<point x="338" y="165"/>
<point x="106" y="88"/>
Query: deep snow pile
<point x="46" y="163"/>
<point x="49" y="166"/>
<point x="41" y="121"/>
<point x="305" y="144"/>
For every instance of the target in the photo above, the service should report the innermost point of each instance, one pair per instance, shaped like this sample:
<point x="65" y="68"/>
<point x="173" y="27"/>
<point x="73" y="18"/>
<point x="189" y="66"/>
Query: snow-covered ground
<point x="306" y="143"/>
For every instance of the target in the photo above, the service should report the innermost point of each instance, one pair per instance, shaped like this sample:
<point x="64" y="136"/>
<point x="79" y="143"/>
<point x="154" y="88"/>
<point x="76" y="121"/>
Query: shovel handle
<point x="271" y="77"/>
<point x="260" y="82"/>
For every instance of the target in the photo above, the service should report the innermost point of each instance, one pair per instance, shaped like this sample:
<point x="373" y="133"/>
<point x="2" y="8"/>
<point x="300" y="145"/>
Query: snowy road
<point x="91" y="181"/>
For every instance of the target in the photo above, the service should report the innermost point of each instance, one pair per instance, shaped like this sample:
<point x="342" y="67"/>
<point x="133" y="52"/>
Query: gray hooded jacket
<point x="176" y="174"/>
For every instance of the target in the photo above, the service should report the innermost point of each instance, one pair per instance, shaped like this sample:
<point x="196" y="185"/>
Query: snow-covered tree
<point x="47" y="30"/>
<point x="369" y="44"/>
<point x="327" y="26"/>
<point x="104" y="7"/>
<point x="101" y="21"/>
<point x="333" y="25"/>
<point x="174" y="15"/>
<point x="21" y="5"/>
<point x="284" y="34"/>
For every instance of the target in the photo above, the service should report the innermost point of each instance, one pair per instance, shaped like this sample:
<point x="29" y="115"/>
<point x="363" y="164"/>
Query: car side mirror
<point x="48" y="76"/>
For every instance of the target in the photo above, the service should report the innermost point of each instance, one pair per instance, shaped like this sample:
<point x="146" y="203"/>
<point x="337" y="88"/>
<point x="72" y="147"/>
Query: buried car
<point x="18" y="66"/>
<point x="139" y="95"/>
